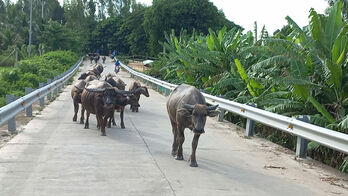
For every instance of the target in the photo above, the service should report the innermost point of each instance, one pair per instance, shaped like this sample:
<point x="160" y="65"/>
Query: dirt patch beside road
<point x="138" y="66"/>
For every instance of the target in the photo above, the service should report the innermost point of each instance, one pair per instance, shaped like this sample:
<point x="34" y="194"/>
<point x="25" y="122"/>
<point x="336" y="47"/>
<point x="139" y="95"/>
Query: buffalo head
<point x="198" y="114"/>
<point x="83" y="76"/>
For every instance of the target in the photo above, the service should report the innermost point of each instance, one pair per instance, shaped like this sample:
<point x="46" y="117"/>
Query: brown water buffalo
<point x="131" y="98"/>
<point x="115" y="81"/>
<point x="96" y="71"/>
<point x="136" y="85"/>
<point x="187" y="108"/>
<point x="99" y="98"/>
<point x="76" y="92"/>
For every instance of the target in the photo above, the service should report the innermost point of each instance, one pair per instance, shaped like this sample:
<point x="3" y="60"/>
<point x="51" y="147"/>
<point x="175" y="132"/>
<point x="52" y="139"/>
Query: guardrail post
<point x="55" y="91"/>
<point x="42" y="100"/>
<point x="49" y="81"/>
<point x="167" y="92"/>
<point x="250" y="124"/>
<point x="221" y="115"/>
<point x="29" y="109"/>
<point x="301" y="145"/>
<point x="11" y="124"/>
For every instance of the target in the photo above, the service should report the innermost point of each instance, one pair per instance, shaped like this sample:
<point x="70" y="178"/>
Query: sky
<point x="270" y="13"/>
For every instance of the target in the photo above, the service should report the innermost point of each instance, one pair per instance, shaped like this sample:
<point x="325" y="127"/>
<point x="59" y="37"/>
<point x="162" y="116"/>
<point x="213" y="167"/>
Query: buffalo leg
<point x="121" y="116"/>
<point x="175" y="142"/>
<point x="76" y="109"/>
<point x="101" y="125"/>
<point x="82" y="115"/>
<point x="137" y="109"/>
<point x="87" y="122"/>
<point x="194" y="147"/>
<point x="180" y="139"/>
<point x="111" y="118"/>
<point x="98" y="123"/>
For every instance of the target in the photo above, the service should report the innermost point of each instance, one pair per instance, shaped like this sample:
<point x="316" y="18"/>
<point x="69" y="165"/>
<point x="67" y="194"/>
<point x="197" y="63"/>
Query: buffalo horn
<point x="188" y="106"/>
<point x="213" y="107"/>
<point x="123" y="92"/>
<point x="95" y="90"/>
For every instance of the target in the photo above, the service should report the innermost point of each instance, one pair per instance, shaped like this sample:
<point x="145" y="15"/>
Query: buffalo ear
<point x="213" y="113"/>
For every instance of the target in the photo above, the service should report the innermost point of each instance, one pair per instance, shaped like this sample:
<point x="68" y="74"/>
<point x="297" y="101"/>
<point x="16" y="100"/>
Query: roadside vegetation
<point x="32" y="71"/>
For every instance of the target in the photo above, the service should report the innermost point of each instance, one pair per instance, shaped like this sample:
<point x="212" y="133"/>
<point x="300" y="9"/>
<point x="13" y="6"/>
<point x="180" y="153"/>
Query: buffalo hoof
<point x="173" y="153"/>
<point x="109" y="126"/>
<point x="123" y="127"/>
<point x="103" y="134"/>
<point x="74" y="119"/>
<point x="193" y="164"/>
<point x="86" y="127"/>
<point x="180" y="158"/>
<point x="81" y="122"/>
<point x="137" y="110"/>
<point x="114" y="124"/>
<point x="133" y="110"/>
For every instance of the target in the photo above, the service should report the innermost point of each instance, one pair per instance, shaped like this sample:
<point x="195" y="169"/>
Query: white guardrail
<point x="303" y="130"/>
<point x="9" y="111"/>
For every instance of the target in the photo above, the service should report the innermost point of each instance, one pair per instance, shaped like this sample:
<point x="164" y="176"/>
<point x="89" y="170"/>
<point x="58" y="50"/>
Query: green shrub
<point x="6" y="61"/>
<point x="33" y="70"/>
<point x="11" y="76"/>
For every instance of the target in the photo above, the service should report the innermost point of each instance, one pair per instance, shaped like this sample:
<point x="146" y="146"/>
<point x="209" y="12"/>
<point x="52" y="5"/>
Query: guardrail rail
<point x="14" y="106"/>
<point x="299" y="127"/>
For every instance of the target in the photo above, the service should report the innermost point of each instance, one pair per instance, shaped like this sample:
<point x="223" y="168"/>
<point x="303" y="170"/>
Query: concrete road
<point x="55" y="156"/>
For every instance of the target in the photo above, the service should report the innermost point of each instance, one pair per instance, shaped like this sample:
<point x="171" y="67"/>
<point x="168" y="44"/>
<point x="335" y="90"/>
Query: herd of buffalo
<point x="186" y="106"/>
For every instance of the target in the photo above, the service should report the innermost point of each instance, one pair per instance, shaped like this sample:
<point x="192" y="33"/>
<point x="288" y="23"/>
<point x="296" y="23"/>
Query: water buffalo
<point x="76" y="92"/>
<point x="99" y="98"/>
<point x="131" y="99"/>
<point x="115" y="81"/>
<point x="187" y="108"/>
<point x="96" y="58"/>
<point x="136" y="85"/>
<point x="120" y="105"/>
<point x="96" y="71"/>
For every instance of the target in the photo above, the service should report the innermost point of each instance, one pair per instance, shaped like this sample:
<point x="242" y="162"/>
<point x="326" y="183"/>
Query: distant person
<point x="117" y="66"/>
<point x="103" y="58"/>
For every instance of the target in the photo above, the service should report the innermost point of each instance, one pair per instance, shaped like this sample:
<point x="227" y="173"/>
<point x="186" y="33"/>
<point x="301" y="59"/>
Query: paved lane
<point x="55" y="156"/>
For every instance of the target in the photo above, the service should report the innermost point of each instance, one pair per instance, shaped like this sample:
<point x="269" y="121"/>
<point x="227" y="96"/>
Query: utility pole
<point x="16" y="49"/>
<point x="42" y="8"/>
<point x="31" y="15"/>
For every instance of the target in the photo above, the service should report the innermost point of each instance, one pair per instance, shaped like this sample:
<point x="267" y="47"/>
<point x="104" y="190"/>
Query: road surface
<point x="55" y="156"/>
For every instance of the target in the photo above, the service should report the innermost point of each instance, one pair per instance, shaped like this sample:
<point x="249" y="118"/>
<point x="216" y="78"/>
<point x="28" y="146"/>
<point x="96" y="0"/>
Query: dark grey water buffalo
<point x="134" y="86"/>
<point x="187" y="108"/>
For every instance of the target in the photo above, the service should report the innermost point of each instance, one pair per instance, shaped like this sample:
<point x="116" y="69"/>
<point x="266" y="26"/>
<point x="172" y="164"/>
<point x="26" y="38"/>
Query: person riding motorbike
<point x="117" y="66"/>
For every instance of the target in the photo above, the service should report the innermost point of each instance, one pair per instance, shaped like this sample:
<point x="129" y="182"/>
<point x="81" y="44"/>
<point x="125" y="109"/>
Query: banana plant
<point x="312" y="63"/>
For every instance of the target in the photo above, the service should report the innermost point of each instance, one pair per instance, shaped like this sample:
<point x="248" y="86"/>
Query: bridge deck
<point x="55" y="156"/>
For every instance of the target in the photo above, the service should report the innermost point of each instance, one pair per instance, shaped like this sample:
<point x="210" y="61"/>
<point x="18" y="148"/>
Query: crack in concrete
<point x="147" y="146"/>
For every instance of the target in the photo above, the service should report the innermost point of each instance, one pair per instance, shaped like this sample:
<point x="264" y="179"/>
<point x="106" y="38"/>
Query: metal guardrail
<point x="303" y="130"/>
<point x="10" y="110"/>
